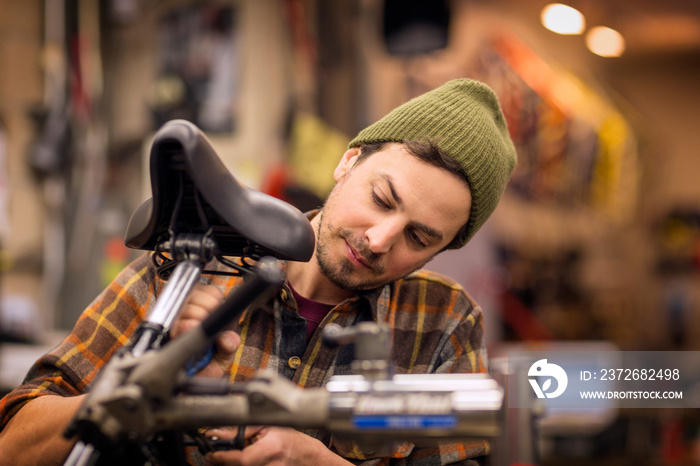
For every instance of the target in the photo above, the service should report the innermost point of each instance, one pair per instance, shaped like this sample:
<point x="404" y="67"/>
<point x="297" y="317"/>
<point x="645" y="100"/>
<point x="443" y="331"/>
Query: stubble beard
<point x="340" y="272"/>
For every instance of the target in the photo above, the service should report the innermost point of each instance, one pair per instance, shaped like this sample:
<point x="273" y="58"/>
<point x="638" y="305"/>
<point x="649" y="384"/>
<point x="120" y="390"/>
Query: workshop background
<point x="597" y="240"/>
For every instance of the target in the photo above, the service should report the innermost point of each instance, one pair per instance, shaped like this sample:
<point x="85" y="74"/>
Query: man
<point x="421" y="180"/>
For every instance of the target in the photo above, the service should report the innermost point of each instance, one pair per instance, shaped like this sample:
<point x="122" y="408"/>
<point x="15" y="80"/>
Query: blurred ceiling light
<point x="605" y="42"/>
<point x="562" y="19"/>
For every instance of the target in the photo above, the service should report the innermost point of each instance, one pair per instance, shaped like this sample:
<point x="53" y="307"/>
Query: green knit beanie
<point x="463" y="117"/>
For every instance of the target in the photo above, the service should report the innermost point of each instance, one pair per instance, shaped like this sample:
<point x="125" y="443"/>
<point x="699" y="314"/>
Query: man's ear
<point x="346" y="162"/>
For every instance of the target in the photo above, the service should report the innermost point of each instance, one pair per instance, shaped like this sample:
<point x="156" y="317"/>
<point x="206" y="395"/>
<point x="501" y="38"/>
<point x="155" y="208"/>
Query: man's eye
<point x="417" y="240"/>
<point x="378" y="200"/>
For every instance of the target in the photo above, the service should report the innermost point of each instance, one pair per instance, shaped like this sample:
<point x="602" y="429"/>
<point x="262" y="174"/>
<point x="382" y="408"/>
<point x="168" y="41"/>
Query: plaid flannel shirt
<point x="435" y="328"/>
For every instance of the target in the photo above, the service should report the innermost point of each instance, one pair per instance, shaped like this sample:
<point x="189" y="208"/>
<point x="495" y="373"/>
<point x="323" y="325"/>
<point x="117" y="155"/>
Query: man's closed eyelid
<point x="378" y="199"/>
<point x="418" y="240"/>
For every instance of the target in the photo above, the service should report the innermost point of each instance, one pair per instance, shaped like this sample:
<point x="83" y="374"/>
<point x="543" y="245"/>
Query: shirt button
<point x="294" y="362"/>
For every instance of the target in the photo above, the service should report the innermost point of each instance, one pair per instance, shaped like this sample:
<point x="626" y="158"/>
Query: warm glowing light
<point x="605" y="42"/>
<point x="562" y="19"/>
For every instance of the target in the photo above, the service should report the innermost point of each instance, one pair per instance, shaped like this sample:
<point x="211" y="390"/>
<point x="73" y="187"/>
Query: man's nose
<point x="382" y="236"/>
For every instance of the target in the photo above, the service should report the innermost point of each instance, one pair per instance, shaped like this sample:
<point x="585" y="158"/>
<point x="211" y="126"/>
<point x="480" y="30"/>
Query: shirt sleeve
<point x="105" y="326"/>
<point x="464" y="353"/>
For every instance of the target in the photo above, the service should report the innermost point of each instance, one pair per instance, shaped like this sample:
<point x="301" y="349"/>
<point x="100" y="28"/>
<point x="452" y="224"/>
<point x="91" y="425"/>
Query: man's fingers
<point x="200" y="303"/>
<point x="227" y="343"/>
<point x="208" y="297"/>
<point x="222" y="432"/>
<point x="232" y="457"/>
<point x="230" y="432"/>
<point x="188" y="324"/>
<point x="223" y="458"/>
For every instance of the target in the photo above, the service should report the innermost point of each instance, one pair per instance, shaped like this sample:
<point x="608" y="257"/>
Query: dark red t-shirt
<point x="312" y="311"/>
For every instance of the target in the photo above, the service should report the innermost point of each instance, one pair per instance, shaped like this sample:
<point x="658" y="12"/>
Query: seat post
<point x="191" y="252"/>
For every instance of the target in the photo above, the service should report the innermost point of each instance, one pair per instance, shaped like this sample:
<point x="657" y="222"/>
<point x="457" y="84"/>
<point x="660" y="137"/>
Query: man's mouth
<point x="356" y="258"/>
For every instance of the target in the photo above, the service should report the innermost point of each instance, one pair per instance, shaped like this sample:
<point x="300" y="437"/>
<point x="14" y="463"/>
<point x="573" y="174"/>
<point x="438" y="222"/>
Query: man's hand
<point x="273" y="446"/>
<point x="201" y="302"/>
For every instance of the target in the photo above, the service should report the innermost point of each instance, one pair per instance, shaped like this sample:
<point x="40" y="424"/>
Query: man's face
<point x="386" y="217"/>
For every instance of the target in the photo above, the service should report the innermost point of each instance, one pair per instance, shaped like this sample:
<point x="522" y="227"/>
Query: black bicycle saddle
<point x="193" y="192"/>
